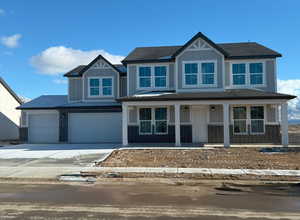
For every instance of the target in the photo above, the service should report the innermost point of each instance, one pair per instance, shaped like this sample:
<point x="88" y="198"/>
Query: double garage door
<point x="95" y="127"/>
<point x="82" y="128"/>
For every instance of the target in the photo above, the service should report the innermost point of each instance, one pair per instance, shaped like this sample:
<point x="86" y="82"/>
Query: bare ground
<point x="232" y="158"/>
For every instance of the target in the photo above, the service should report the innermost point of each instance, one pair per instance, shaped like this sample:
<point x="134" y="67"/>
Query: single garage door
<point x="95" y="127"/>
<point x="43" y="128"/>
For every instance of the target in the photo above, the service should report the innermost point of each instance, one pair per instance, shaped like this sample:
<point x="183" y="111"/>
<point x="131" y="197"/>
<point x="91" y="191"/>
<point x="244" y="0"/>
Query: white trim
<point x="226" y="120"/>
<point x="214" y="49"/>
<point x="125" y="124"/>
<point x="153" y="119"/>
<point x="249" y="119"/>
<point x="100" y="78"/>
<point x="200" y="74"/>
<point x="284" y="125"/>
<point x="247" y="74"/>
<point x="152" y="76"/>
<point x="177" y="110"/>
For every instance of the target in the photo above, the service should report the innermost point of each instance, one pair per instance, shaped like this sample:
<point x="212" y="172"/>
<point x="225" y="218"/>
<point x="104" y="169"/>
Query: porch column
<point x="284" y="125"/>
<point x="125" y="124"/>
<point x="226" y="125"/>
<point x="177" y="125"/>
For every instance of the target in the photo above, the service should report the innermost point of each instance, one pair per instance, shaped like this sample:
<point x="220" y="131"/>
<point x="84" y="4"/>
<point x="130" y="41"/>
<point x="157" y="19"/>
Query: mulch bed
<point x="231" y="158"/>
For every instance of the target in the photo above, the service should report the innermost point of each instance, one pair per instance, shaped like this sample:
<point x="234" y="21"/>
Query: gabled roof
<point x="79" y="70"/>
<point x="202" y="36"/>
<point x="232" y="94"/>
<point x="17" y="98"/>
<point x="229" y="50"/>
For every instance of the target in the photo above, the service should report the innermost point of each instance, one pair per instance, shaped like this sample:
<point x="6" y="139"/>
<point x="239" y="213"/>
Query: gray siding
<point x="272" y="113"/>
<point x="216" y="114"/>
<point x="133" y="84"/>
<point x="123" y="86"/>
<point x="75" y="89"/>
<point x="272" y="135"/>
<point x="100" y="73"/>
<point x="269" y="71"/>
<point x="200" y="55"/>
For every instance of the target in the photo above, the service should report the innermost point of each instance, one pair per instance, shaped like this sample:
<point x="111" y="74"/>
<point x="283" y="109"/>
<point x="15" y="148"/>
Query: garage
<point x="95" y="127"/>
<point x="43" y="128"/>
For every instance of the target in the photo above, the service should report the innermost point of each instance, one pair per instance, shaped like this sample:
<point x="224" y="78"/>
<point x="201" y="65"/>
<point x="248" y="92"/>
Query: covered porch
<point x="200" y="122"/>
<point x="236" y="116"/>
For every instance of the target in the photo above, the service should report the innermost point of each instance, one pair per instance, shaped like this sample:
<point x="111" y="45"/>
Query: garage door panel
<point x="95" y="127"/>
<point x="43" y="128"/>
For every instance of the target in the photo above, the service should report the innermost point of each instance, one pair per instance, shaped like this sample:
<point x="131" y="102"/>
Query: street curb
<point x="211" y="171"/>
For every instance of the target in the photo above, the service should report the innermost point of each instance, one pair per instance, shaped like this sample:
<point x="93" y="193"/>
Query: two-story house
<point x="199" y="92"/>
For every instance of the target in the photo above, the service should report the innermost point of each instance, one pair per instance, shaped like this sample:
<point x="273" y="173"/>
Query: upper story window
<point x="100" y="86"/>
<point x="199" y="73"/>
<point x="244" y="74"/>
<point x="152" y="77"/>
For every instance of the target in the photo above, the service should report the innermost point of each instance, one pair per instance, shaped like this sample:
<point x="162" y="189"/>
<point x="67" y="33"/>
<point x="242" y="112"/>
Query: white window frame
<point x="248" y="119"/>
<point x="248" y="74"/>
<point x="153" y="131"/>
<point x="200" y="74"/>
<point x="100" y="87"/>
<point x="152" y="76"/>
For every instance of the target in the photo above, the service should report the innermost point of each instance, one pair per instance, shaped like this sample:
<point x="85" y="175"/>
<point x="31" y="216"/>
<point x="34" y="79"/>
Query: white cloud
<point x="291" y="86"/>
<point x="2" y="12"/>
<point x="11" y="41"/>
<point x="60" y="59"/>
<point x="60" y="81"/>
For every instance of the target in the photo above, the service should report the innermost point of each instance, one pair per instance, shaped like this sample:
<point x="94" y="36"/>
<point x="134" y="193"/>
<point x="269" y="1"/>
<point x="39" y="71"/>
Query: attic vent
<point x="100" y="65"/>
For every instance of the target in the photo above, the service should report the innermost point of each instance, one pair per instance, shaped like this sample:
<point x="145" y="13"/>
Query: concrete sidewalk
<point x="54" y="172"/>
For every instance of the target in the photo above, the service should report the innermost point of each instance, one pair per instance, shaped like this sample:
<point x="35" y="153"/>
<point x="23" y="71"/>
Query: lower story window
<point x="244" y="116"/>
<point x="145" y="121"/>
<point x="240" y="120"/>
<point x="161" y="121"/>
<point x="155" y="118"/>
<point x="257" y="119"/>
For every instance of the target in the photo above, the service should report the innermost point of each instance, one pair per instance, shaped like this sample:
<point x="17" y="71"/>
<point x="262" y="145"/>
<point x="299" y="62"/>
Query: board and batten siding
<point x="200" y="55"/>
<point x="75" y="89"/>
<point x="123" y="86"/>
<point x="270" y="74"/>
<point x="132" y="75"/>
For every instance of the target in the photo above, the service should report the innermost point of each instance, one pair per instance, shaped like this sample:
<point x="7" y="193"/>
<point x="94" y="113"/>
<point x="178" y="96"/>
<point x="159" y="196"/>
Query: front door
<point x="199" y="123"/>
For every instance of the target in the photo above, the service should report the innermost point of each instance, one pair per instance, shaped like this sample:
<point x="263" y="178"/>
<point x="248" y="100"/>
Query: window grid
<point x="153" y="121"/>
<point x="205" y="75"/>
<point x="97" y="87"/>
<point x="250" y="120"/>
<point x="153" y="76"/>
<point x="249" y="75"/>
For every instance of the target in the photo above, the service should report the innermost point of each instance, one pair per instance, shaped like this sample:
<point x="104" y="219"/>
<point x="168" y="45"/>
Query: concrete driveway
<point x="49" y="160"/>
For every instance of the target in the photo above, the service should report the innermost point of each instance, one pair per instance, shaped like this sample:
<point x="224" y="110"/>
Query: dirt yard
<point x="232" y="158"/>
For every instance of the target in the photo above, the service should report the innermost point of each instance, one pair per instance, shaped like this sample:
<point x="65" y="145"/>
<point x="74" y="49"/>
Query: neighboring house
<point x="9" y="115"/>
<point x="199" y="92"/>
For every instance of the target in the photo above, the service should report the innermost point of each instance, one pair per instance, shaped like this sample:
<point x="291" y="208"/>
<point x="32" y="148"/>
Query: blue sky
<point x="42" y="39"/>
